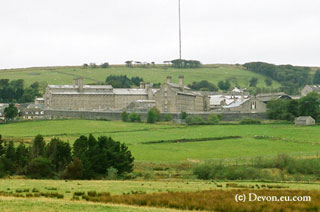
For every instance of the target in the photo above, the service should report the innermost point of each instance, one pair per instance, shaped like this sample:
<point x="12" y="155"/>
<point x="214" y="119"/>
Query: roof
<point x="236" y="103"/>
<point x="130" y="91"/>
<point x="217" y="99"/>
<point x="177" y="86"/>
<point x="85" y="86"/>
<point x="303" y="118"/>
<point x="271" y="96"/>
<point x="314" y="87"/>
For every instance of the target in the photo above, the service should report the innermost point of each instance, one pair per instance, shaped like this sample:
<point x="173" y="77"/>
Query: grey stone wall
<point x="60" y="114"/>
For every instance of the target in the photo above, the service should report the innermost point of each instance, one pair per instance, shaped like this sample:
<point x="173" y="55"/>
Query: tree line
<point x="89" y="158"/>
<point x="15" y="91"/>
<point x="122" y="81"/>
<point x="291" y="77"/>
<point x="282" y="109"/>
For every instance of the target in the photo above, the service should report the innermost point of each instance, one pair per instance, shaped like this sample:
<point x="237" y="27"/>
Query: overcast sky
<point x="73" y="32"/>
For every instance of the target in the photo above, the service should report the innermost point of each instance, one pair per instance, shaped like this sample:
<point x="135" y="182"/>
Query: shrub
<point x="134" y="117"/>
<point x="213" y="119"/>
<point x="74" y="170"/>
<point x="221" y="172"/>
<point x="112" y="173"/>
<point x="183" y="115"/>
<point x="250" y="121"/>
<point x="167" y="117"/>
<point x="124" y="116"/>
<point x="153" y="115"/>
<point x="195" y="120"/>
<point x="40" y="168"/>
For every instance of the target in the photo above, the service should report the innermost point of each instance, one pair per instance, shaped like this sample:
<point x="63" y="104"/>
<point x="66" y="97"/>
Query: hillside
<point x="64" y="75"/>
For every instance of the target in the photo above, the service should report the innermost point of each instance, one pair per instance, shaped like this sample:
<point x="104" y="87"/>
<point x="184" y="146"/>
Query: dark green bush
<point x="195" y="120"/>
<point x="167" y="117"/>
<point x="134" y="117"/>
<point x="213" y="119"/>
<point x="124" y="116"/>
<point x="40" y="168"/>
<point x="250" y="121"/>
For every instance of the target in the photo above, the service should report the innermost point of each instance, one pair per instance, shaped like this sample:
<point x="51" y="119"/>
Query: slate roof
<point x="303" y="118"/>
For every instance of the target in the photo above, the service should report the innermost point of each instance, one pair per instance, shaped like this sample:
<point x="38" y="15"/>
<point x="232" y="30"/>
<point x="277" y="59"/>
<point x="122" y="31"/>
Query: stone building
<point x="304" y="121"/>
<point x="251" y="105"/>
<point x="310" y="88"/>
<point x="169" y="98"/>
<point x="175" y="98"/>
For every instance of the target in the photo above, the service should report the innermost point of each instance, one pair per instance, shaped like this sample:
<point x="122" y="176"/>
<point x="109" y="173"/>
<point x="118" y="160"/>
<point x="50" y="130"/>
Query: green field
<point x="65" y="75"/>
<point x="11" y="204"/>
<point x="256" y="140"/>
<point x="67" y="188"/>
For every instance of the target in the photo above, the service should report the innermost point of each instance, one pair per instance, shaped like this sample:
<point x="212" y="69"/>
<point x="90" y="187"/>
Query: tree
<point x="40" y="168"/>
<point x="10" y="112"/>
<point x="224" y="85"/>
<point x="316" y="79"/>
<point x="93" y="65"/>
<point x="213" y="119"/>
<point x="124" y="116"/>
<point x="99" y="155"/>
<point x="22" y="157"/>
<point x="59" y="153"/>
<point x="37" y="147"/>
<point x="153" y="115"/>
<point x="129" y="64"/>
<point x="253" y="82"/>
<point x="278" y="110"/>
<point x="268" y="82"/>
<point x="309" y="105"/>
<point x="134" y="117"/>
<point x="203" y="85"/>
<point x="104" y="65"/>
<point x="74" y="170"/>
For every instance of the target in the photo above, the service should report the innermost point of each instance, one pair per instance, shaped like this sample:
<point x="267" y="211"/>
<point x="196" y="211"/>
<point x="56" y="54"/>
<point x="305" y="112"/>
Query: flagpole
<point x="180" y="54"/>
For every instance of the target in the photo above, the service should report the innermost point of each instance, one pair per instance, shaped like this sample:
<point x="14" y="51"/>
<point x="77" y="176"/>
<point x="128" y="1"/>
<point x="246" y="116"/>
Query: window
<point x="253" y="105"/>
<point x="41" y="112"/>
<point x="37" y="113"/>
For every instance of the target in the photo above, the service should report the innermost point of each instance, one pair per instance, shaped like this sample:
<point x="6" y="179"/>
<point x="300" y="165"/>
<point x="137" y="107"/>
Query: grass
<point x="65" y="75"/>
<point x="10" y="204"/>
<point x="257" y="140"/>
<point x="188" y="189"/>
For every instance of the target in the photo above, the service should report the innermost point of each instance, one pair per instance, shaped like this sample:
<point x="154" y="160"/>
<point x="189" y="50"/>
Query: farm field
<point x="253" y="140"/>
<point x="65" y="75"/>
<point x="68" y="188"/>
<point x="11" y="204"/>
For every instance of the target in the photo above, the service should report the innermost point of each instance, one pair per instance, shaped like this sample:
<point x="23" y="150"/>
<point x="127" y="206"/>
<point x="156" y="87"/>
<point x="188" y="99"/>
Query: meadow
<point x="265" y="140"/>
<point x="65" y="75"/>
<point x="198" y="194"/>
<point x="159" y="177"/>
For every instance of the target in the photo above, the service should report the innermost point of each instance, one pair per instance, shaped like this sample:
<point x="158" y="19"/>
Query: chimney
<point x="181" y="83"/>
<point x="147" y="85"/>
<point x="80" y="84"/>
<point x="75" y="82"/>
<point x="142" y="85"/>
<point x="169" y="79"/>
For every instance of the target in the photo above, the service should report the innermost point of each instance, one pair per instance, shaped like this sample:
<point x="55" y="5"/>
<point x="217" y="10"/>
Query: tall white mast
<point x="180" y="43"/>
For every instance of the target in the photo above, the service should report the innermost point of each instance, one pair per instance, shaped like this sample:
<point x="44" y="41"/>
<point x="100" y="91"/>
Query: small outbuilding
<point x="304" y="121"/>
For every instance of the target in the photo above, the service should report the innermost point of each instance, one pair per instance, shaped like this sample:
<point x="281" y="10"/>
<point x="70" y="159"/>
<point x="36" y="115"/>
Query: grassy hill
<point x="64" y="75"/>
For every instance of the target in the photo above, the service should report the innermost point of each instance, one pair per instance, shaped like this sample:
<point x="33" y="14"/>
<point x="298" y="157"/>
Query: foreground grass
<point x="256" y="140"/>
<point x="10" y="204"/>
<point x="184" y="195"/>
<point x="67" y="188"/>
